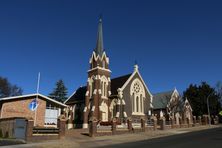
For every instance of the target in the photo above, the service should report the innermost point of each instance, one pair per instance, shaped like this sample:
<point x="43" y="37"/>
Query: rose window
<point x="136" y="88"/>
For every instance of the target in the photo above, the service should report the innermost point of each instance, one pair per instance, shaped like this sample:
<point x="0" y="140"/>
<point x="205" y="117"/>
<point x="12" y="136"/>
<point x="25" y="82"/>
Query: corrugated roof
<point x="32" y="95"/>
<point x="160" y="100"/>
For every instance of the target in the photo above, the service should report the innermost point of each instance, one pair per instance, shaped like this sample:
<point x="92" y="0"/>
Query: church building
<point x="104" y="98"/>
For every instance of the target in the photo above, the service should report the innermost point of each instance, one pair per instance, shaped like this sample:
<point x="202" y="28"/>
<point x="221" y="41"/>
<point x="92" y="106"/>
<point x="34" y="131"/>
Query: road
<point x="211" y="138"/>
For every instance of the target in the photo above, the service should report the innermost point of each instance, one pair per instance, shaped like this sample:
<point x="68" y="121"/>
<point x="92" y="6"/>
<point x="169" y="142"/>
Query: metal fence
<point x="150" y="122"/>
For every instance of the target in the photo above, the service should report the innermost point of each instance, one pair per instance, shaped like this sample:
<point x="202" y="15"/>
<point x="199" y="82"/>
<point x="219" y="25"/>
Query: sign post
<point x="36" y="100"/>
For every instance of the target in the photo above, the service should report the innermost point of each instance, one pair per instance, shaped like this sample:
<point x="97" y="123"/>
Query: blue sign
<point x="33" y="105"/>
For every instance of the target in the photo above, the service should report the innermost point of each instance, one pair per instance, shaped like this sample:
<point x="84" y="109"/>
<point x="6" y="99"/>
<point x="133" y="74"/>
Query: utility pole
<point x="208" y="108"/>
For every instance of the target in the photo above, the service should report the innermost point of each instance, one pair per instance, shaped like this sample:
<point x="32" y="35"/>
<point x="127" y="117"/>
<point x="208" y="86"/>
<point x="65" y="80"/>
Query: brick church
<point x="105" y="98"/>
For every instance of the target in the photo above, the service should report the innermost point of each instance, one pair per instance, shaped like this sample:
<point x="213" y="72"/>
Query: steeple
<point x="99" y="43"/>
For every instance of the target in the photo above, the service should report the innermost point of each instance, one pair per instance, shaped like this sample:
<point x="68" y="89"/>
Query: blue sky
<point x="174" y="42"/>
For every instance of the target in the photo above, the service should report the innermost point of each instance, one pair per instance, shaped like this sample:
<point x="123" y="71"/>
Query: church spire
<point x="99" y="43"/>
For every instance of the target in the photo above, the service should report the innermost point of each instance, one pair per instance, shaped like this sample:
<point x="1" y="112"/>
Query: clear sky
<point x="174" y="42"/>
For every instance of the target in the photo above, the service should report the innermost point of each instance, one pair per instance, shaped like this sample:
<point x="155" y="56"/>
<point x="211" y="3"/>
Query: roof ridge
<point x="163" y="92"/>
<point x="122" y="76"/>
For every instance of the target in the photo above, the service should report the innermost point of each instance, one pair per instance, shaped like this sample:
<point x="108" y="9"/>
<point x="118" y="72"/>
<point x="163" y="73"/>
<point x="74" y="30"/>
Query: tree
<point x="60" y="92"/>
<point x="219" y="90"/>
<point x="7" y="89"/>
<point x="197" y="96"/>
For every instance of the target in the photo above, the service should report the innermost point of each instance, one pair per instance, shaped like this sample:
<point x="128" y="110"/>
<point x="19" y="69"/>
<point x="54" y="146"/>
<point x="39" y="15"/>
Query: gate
<point x="20" y="128"/>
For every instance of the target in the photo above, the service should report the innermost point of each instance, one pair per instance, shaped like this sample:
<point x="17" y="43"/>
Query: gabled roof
<point x="160" y="100"/>
<point x="32" y="95"/>
<point x="78" y="95"/>
<point x="118" y="83"/>
<point x="136" y="71"/>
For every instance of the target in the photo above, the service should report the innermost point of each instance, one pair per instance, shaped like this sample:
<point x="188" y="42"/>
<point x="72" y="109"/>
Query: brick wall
<point x="19" y="108"/>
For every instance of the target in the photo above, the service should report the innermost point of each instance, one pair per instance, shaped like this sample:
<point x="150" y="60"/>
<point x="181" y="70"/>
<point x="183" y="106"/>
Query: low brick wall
<point x="168" y="127"/>
<point x="40" y="134"/>
<point x="114" y="130"/>
<point x="7" y="127"/>
<point x="149" y="128"/>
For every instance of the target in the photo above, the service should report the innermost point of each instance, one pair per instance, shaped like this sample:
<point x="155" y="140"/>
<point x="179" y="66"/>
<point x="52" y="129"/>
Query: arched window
<point x="138" y="94"/>
<point x="104" y="85"/>
<point x="137" y="104"/>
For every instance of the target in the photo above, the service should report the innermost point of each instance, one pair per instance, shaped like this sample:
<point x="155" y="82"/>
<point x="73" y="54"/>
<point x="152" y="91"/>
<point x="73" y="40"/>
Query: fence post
<point x="143" y="124"/>
<point x="199" y="120"/>
<point x="180" y="121"/>
<point x="205" y="119"/>
<point x="154" y="119"/>
<point x="29" y="129"/>
<point x="188" y="122"/>
<point x="162" y="123"/>
<point x="172" y="121"/>
<point x="92" y="126"/>
<point x="129" y="124"/>
<point x="216" y="120"/>
<point x="184" y="120"/>
<point x="62" y="126"/>
<point x="114" y="126"/>
<point x="194" y="120"/>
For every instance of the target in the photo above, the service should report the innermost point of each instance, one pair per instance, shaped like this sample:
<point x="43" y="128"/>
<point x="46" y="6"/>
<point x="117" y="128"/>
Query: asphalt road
<point x="211" y="138"/>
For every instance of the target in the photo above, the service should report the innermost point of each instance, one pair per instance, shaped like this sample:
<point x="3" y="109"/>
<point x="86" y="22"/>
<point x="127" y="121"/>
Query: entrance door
<point x="20" y="128"/>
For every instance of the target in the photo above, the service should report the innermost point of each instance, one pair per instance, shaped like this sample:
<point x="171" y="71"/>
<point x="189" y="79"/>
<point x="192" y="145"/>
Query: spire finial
<point x="136" y="66"/>
<point x="99" y="43"/>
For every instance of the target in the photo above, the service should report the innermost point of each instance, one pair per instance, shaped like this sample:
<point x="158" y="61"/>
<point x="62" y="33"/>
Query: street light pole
<point x="208" y="108"/>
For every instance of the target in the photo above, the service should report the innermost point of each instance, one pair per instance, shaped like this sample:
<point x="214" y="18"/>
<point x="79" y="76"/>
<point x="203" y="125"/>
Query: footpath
<point x="75" y="139"/>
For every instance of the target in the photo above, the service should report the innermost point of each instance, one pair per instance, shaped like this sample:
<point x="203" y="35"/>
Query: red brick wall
<point x="20" y="108"/>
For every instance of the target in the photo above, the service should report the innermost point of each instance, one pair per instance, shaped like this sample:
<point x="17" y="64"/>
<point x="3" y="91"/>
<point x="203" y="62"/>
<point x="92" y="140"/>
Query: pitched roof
<point x="32" y="95"/>
<point x="118" y="83"/>
<point x="160" y="100"/>
<point x="79" y="95"/>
